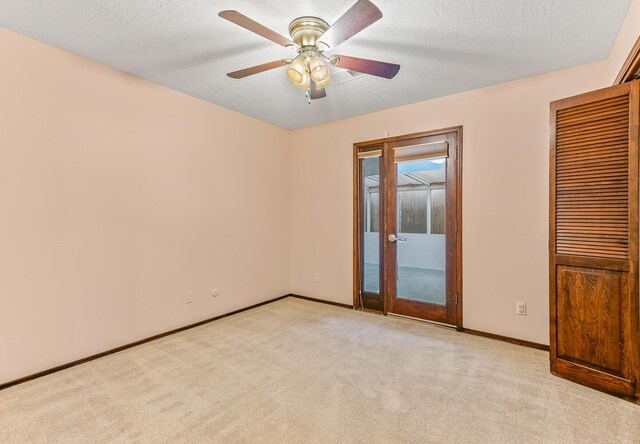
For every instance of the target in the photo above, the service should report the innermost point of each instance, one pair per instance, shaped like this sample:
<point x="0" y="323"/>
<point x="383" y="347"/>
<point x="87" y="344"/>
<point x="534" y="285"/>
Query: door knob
<point x="394" y="238"/>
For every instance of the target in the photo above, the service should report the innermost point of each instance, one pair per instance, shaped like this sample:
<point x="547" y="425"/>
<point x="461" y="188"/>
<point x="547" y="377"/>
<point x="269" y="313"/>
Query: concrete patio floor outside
<point x="418" y="284"/>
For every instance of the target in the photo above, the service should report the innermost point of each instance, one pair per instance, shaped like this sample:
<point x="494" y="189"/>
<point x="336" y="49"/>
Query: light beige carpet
<point x="297" y="371"/>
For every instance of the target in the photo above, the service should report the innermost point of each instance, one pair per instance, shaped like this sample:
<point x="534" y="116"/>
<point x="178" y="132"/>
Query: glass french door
<point x="369" y="217"/>
<point x="407" y="212"/>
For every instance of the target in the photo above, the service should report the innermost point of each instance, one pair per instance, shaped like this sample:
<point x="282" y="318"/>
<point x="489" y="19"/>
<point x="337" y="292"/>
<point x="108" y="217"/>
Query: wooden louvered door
<point x="594" y="239"/>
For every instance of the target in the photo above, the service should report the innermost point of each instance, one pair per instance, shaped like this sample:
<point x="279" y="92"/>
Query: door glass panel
<point x="371" y="218"/>
<point x="437" y="210"/>
<point x="421" y="230"/>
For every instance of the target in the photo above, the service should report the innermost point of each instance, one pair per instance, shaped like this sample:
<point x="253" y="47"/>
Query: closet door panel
<point x="589" y="318"/>
<point x="593" y="239"/>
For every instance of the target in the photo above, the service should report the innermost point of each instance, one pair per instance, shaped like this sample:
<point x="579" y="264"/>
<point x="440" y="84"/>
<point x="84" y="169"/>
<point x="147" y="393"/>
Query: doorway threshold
<point x="411" y="318"/>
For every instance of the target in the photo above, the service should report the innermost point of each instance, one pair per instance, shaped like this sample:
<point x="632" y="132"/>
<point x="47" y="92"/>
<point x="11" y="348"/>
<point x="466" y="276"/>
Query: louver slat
<point x="592" y="179"/>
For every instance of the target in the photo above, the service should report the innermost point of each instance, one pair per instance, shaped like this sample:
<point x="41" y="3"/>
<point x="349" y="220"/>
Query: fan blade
<point x="317" y="93"/>
<point x="365" y="66"/>
<point x="241" y="74"/>
<point x="357" y="18"/>
<point x="253" y="26"/>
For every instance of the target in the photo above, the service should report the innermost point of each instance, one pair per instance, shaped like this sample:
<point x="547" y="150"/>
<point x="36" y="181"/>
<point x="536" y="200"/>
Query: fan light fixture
<point x="309" y="66"/>
<point x="323" y="83"/>
<point x="319" y="71"/>
<point x="297" y="71"/>
<point x="310" y="38"/>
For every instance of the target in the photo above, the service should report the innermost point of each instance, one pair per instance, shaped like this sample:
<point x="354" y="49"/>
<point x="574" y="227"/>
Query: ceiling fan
<point x="310" y="38"/>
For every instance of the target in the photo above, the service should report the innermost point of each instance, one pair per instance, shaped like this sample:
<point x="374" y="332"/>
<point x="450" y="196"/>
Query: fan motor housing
<point x="305" y="31"/>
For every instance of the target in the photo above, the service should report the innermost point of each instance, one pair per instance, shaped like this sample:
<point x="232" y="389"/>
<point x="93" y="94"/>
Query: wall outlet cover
<point x="521" y="308"/>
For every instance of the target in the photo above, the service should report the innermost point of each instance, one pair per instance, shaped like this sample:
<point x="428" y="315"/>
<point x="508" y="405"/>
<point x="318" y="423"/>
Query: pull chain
<point x="308" y="95"/>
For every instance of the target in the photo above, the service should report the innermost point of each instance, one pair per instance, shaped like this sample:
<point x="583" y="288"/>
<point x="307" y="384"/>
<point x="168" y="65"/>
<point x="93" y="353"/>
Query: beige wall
<point x="505" y="191"/>
<point x="117" y="196"/>
<point x="505" y="196"/>
<point x="624" y="42"/>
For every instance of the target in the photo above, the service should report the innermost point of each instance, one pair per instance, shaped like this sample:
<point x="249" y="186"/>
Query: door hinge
<point x="457" y="298"/>
<point x="455" y="226"/>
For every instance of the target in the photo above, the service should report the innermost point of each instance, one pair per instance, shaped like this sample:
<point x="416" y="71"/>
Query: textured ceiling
<point x="444" y="46"/>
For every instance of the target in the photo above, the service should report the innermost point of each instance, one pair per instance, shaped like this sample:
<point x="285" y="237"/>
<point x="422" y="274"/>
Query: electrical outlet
<point x="215" y="292"/>
<point x="316" y="277"/>
<point x="187" y="297"/>
<point x="521" y="308"/>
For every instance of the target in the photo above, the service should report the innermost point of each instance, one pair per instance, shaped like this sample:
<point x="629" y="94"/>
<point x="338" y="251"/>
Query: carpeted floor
<point x="302" y="372"/>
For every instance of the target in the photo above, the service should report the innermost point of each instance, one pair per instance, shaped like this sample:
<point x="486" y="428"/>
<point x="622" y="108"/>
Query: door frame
<point x="358" y="227"/>
<point x="630" y="67"/>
